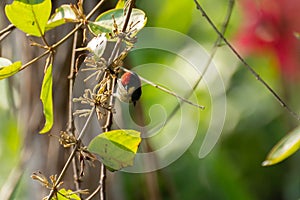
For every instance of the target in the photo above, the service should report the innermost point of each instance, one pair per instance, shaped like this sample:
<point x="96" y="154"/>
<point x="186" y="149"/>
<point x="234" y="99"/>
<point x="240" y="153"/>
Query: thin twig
<point x="6" y="31"/>
<point x="108" y="123"/>
<point x="119" y="41"/>
<point x="71" y="78"/>
<point x="101" y="185"/>
<point x="91" y="113"/>
<point x="95" y="192"/>
<point x="217" y="43"/>
<point x="67" y="36"/>
<point x="248" y="67"/>
<point x="213" y="52"/>
<point x="102" y="182"/>
<point x="63" y="39"/>
<point x="94" y="10"/>
<point x="128" y="14"/>
<point x="63" y="171"/>
<point x="70" y="128"/>
<point x="34" y="60"/>
<point x="79" y="25"/>
<point x="76" y="177"/>
<point x="4" y="36"/>
<point x="166" y="90"/>
<point x="9" y="28"/>
<point x="115" y="51"/>
<point x="52" y="48"/>
<point x="82" y="132"/>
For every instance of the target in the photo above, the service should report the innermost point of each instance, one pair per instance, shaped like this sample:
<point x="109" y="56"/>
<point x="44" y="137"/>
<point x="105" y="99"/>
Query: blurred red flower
<point x="270" y="26"/>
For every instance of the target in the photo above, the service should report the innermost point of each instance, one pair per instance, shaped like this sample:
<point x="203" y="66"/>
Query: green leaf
<point x="62" y="15"/>
<point x="116" y="148"/>
<point x="46" y="97"/>
<point x="64" y="194"/>
<point x="120" y="4"/>
<point x="284" y="148"/>
<point x="104" y="23"/>
<point x="29" y="16"/>
<point x="7" y="68"/>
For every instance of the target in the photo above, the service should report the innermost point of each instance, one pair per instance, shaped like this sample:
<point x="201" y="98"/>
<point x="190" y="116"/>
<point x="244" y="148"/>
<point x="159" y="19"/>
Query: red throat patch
<point x="125" y="78"/>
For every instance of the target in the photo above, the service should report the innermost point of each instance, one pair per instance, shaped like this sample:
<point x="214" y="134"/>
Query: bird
<point x="129" y="88"/>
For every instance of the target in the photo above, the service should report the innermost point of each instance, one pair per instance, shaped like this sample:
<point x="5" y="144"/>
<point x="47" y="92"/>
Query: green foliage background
<point x="255" y="122"/>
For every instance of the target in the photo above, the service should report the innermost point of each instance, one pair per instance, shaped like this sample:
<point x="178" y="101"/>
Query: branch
<point x="6" y="31"/>
<point x="119" y="41"/>
<point x="34" y="60"/>
<point x="9" y="28"/>
<point x="81" y="134"/>
<point x="71" y="128"/>
<point x="100" y="187"/>
<point x="71" y="86"/>
<point x="54" y="46"/>
<point x="108" y="123"/>
<point x="63" y="171"/>
<point x="248" y="67"/>
<point x="217" y="43"/>
<point x="213" y="52"/>
<point x="109" y="117"/>
<point x="71" y="78"/>
<point x="166" y="90"/>
<point x="116" y="49"/>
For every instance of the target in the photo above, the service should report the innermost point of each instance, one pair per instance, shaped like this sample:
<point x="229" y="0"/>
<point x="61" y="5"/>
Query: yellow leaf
<point x="46" y="97"/>
<point x="284" y="148"/>
<point x="7" y="68"/>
